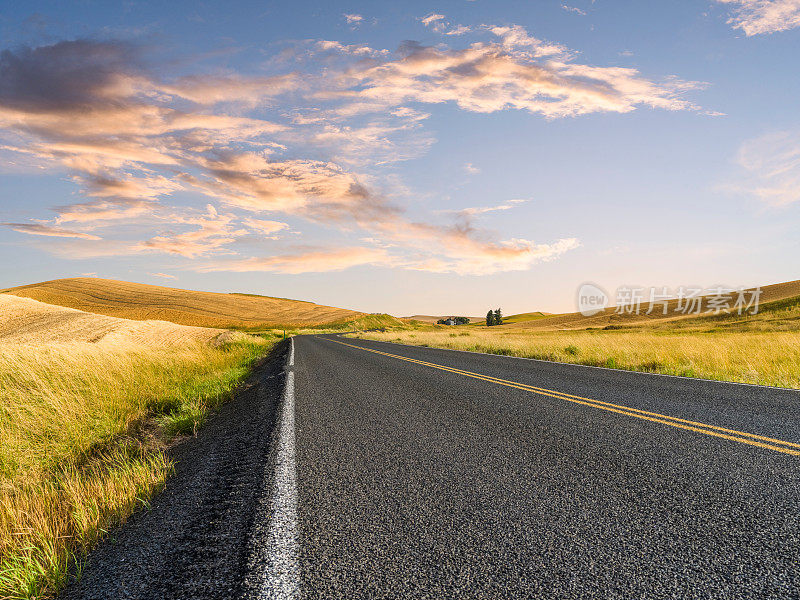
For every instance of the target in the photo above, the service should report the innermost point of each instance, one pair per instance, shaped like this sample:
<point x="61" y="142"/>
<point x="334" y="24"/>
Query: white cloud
<point x="764" y="16"/>
<point x="353" y="19"/>
<point x="432" y="19"/>
<point x="573" y="9"/>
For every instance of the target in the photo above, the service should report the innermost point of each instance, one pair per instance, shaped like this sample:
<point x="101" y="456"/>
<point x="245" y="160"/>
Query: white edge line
<point x="282" y="575"/>
<point x="556" y="362"/>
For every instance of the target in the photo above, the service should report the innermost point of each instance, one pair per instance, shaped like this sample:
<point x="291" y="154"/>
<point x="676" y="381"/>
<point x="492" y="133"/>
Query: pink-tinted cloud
<point x="508" y="75"/>
<point x="309" y="261"/>
<point x="265" y="227"/>
<point x="213" y="231"/>
<point x="131" y="138"/>
<point x="49" y="231"/>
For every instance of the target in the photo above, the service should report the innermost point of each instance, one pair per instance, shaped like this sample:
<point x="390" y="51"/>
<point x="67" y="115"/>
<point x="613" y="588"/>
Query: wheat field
<point x="204" y="309"/>
<point x="88" y="405"/>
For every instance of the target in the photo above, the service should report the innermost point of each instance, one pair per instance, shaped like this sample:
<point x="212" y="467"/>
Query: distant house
<point x="453" y="321"/>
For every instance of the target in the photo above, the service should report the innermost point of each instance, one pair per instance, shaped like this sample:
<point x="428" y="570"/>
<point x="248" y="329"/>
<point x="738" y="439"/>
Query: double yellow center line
<point x="721" y="432"/>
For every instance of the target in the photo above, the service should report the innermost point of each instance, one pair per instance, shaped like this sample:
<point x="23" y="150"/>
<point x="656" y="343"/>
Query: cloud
<point x="352" y="49"/>
<point x="479" y="210"/>
<point x="353" y="19"/>
<point x="131" y="136"/>
<point x="755" y="17"/>
<point x="458" y="30"/>
<point x="471" y="169"/>
<point x="432" y="18"/>
<point x="573" y="9"/>
<point x="213" y="231"/>
<point x="103" y="210"/>
<point x="265" y="227"/>
<point x="49" y="231"/>
<point x="310" y="261"/>
<point x="772" y="168"/>
<point x="492" y="77"/>
<point x="163" y="275"/>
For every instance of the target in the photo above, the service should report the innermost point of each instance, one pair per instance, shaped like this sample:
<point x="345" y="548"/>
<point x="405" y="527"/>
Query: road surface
<point x="374" y="470"/>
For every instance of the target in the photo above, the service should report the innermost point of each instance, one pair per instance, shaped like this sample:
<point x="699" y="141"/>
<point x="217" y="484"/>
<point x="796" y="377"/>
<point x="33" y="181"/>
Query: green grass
<point x="83" y="432"/>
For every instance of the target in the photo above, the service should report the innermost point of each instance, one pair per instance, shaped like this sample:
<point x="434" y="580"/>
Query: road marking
<point x="704" y="428"/>
<point x="282" y="577"/>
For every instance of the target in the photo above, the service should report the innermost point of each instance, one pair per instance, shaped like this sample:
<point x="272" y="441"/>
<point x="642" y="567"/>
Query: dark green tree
<point x="489" y="318"/>
<point x="462" y="321"/>
<point x="498" y="317"/>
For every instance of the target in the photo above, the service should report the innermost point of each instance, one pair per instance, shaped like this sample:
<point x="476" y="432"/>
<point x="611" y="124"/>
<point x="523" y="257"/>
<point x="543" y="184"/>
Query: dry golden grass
<point x="205" y="309"/>
<point x="83" y="426"/>
<point x="535" y="321"/>
<point x="765" y="357"/>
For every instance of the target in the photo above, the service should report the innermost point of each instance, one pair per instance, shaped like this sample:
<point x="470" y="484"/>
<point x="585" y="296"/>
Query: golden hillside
<point x="770" y="293"/>
<point x="24" y="321"/>
<point x="204" y="309"/>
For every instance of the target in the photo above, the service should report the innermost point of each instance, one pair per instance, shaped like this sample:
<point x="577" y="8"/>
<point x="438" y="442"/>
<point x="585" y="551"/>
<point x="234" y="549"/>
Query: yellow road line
<point x="712" y="430"/>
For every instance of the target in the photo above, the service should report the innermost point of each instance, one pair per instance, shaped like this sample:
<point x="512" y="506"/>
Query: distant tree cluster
<point x="494" y="317"/>
<point x="453" y="321"/>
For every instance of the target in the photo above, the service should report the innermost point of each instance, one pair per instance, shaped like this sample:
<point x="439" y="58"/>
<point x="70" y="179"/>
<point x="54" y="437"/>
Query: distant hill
<point x="770" y="294"/>
<point x="531" y="316"/>
<point x="140" y="302"/>
<point x="434" y="318"/>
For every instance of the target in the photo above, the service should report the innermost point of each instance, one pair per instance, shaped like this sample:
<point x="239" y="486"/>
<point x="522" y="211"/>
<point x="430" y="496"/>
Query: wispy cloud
<point x="49" y="231"/>
<point x="432" y="19"/>
<point x="131" y="136"/>
<point x="764" y="16"/>
<point x="471" y="169"/>
<point x="507" y="75"/>
<point x="266" y="227"/>
<point x="771" y="165"/>
<point x="353" y="19"/>
<point x="479" y="210"/>
<point x="573" y="9"/>
<point x="309" y="261"/>
<point x="212" y="231"/>
<point x="163" y="275"/>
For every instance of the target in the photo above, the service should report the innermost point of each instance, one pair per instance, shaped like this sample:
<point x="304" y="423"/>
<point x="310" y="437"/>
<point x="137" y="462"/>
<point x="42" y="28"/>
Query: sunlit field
<point x="760" y="357"/>
<point x="83" y="432"/>
<point x="185" y="307"/>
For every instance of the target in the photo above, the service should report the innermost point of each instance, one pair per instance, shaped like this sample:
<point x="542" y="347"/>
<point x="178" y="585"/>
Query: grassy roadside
<point x="83" y="430"/>
<point x="760" y="357"/>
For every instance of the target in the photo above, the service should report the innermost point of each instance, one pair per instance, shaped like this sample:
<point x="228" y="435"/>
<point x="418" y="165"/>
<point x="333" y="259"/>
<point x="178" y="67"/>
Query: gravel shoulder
<point x="194" y="539"/>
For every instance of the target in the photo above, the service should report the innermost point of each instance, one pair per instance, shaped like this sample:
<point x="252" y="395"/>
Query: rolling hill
<point x="771" y="294"/>
<point x="24" y="321"/>
<point x="141" y="302"/>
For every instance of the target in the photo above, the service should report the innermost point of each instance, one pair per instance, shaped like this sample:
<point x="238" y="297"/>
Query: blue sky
<point x="401" y="157"/>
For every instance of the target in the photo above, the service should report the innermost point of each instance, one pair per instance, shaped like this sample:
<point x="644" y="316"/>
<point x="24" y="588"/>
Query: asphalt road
<point x="391" y="471"/>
